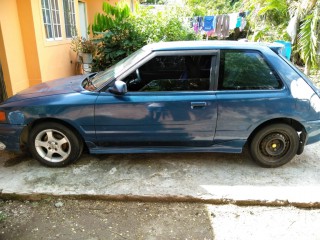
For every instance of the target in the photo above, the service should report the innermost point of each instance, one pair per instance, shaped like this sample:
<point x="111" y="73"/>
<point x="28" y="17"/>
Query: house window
<point x="69" y="18"/>
<point x="51" y="19"/>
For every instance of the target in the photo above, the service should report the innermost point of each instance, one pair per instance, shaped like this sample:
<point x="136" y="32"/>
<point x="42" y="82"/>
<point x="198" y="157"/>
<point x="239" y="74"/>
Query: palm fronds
<point x="308" y="39"/>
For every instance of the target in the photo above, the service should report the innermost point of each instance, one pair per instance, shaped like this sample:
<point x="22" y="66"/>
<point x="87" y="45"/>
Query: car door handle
<point x="198" y="105"/>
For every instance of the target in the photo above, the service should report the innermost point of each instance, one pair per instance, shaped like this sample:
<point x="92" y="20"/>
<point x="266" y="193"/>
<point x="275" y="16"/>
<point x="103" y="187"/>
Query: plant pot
<point x="87" y="58"/>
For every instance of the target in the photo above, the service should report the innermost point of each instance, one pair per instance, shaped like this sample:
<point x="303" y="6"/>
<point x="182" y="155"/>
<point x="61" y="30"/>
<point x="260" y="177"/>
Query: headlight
<point x="3" y="116"/>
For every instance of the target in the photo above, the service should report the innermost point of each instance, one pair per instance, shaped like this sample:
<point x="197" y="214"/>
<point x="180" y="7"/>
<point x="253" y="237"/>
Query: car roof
<point x="211" y="45"/>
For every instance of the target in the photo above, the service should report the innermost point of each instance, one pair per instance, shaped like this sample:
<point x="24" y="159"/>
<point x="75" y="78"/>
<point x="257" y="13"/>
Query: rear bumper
<point x="313" y="131"/>
<point x="10" y="136"/>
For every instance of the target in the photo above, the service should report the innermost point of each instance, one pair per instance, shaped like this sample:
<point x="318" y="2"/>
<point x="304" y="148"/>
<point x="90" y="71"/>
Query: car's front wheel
<point x="274" y="145"/>
<point x="54" y="145"/>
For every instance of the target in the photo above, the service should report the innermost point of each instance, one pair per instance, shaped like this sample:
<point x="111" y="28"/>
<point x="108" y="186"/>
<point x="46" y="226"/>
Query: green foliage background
<point x="118" y="32"/>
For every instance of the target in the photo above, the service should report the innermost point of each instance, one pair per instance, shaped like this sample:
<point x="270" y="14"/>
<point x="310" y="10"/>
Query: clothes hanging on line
<point x="222" y="26"/>
<point x="219" y="25"/>
<point x="238" y="20"/>
<point x="197" y="23"/>
<point x="208" y="23"/>
<point x="243" y="24"/>
<point x="233" y="19"/>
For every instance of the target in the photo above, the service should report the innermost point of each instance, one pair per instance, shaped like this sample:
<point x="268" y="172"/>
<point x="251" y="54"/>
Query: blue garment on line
<point x="239" y="21"/>
<point x="208" y="23"/>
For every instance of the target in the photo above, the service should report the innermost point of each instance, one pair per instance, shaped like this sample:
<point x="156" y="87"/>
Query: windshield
<point x="103" y="78"/>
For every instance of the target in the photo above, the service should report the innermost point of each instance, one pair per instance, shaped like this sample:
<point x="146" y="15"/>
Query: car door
<point x="168" y="103"/>
<point x="250" y="92"/>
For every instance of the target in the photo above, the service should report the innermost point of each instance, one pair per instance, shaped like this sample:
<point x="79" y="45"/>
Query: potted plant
<point x="84" y="48"/>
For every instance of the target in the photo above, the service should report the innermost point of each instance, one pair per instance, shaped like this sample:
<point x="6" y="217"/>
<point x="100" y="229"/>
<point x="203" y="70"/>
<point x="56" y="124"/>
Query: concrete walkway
<point x="201" y="177"/>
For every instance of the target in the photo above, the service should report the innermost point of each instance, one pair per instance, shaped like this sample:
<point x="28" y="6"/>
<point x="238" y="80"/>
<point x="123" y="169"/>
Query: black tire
<point x="274" y="145"/>
<point x="54" y="145"/>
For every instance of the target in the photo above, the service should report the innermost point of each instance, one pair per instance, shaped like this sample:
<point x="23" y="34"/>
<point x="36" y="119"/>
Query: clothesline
<point x="219" y="25"/>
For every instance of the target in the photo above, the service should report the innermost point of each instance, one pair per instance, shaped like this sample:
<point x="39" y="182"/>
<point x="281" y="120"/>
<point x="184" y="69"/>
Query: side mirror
<point x="119" y="88"/>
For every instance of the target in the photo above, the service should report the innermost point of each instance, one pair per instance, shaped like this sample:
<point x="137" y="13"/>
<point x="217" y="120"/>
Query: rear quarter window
<point x="246" y="70"/>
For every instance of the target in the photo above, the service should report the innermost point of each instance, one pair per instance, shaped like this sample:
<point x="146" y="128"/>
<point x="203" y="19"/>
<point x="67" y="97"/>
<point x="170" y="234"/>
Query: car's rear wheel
<point x="54" y="145"/>
<point x="274" y="145"/>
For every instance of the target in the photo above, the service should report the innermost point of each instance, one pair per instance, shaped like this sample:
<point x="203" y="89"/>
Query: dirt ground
<point x="95" y="220"/>
<point x="99" y="220"/>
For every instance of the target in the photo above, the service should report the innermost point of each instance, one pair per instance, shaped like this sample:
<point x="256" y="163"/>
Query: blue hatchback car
<point x="210" y="96"/>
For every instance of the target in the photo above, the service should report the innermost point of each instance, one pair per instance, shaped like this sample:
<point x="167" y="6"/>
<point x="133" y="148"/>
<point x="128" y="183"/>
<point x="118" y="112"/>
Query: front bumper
<point x="10" y="136"/>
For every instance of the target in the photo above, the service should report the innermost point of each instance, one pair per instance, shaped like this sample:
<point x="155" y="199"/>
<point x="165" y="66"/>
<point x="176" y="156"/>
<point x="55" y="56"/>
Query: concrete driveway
<point x="203" y="177"/>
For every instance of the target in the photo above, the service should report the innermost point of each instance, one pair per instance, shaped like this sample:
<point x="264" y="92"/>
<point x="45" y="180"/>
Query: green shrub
<point x="119" y="32"/>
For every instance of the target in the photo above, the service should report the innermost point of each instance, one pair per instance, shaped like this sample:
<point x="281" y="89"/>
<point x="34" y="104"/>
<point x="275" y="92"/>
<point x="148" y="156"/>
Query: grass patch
<point x="3" y="216"/>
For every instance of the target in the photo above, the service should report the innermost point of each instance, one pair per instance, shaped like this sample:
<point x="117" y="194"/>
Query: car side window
<point x="246" y="70"/>
<point x="172" y="73"/>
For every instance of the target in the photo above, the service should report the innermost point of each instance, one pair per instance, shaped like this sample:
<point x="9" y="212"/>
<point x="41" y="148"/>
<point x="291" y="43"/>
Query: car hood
<point x="58" y="86"/>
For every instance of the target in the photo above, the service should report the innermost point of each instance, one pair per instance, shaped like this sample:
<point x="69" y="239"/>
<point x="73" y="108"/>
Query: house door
<point x="3" y="92"/>
<point x="83" y="20"/>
